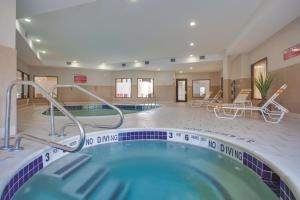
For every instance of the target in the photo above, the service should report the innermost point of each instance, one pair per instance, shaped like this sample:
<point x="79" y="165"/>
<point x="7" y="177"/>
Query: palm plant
<point x="263" y="85"/>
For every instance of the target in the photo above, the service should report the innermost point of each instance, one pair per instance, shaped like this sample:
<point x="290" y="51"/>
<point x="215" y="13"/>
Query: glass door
<point x="181" y="90"/>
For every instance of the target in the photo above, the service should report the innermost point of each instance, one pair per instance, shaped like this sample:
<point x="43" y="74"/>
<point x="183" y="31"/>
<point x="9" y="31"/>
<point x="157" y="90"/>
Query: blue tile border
<point x="285" y="192"/>
<point x="142" y="135"/>
<point x="268" y="176"/>
<point x="22" y="177"/>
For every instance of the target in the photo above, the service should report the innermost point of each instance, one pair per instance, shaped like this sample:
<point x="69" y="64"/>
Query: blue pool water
<point x="102" y="110"/>
<point x="145" y="170"/>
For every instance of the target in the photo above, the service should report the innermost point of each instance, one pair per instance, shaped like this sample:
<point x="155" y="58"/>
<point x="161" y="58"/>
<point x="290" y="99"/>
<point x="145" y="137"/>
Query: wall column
<point x="8" y="58"/>
<point x="226" y="80"/>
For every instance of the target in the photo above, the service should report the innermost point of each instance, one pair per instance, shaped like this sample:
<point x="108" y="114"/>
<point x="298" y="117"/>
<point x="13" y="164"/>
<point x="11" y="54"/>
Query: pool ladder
<point x="53" y="102"/>
<point x="149" y="103"/>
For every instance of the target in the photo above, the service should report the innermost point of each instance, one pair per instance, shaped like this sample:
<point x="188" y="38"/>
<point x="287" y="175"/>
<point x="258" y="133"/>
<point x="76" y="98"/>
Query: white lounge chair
<point x="200" y="102"/>
<point x="242" y="99"/>
<point x="207" y="100"/>
<point x="271" y="111"/>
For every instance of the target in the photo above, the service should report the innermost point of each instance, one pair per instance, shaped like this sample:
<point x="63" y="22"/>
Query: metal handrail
<point x="9" y="147"/>
<point x="120" y="122"/>
<point x="148" y="103"/>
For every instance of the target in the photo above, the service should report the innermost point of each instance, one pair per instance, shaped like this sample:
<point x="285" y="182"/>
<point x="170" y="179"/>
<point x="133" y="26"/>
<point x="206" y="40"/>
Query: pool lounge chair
<point x="242" y="99"/>
<point x="200" y="102"/>
<point x="207" y="99"/>
<point x="271" y="111"/>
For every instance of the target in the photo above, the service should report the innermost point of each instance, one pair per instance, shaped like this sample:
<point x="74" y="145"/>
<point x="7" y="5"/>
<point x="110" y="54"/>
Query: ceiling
<point x="101" y="33"/>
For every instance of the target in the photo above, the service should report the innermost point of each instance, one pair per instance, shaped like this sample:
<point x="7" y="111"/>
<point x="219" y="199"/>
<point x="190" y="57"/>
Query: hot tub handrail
<point x="119" y="123"/>
<point x="45" y="94"/>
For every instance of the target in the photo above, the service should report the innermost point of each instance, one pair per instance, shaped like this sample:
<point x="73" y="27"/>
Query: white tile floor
<point x="278" y="143"/>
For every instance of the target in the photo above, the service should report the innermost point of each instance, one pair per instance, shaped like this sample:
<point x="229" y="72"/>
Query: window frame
<point x="34" y="76"/>
<point x="200" y="80"/>
<point x="252" y="76"/>
<point x="116" y="88"/>
<point x="137" y="85"/>
<point x="23" y="86"/>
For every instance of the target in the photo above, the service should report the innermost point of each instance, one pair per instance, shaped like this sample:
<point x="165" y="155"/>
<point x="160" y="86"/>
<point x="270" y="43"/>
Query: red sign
<point x="291" y="52"/>
<point x="80" y="79"/>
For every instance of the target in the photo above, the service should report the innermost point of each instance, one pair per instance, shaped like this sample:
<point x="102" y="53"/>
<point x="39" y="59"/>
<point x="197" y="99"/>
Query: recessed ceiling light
<point x="133" y="1"/>
<point x="192" y="23"/>
<point x="192" y="44"/>
<point x="191" y="68"/>
<point x="43" y="52"/>
<point x="191" y="55"/>
<point x="37" y="40"/>
<point x="27" y="20"/>
<point x="180" y="72"/>
<point x="137" y="64"/>
<point x="158" y="69"/>
<point x="102" y="66"/>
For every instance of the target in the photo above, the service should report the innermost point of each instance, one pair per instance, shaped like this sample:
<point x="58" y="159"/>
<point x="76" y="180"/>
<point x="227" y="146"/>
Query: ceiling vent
<point x="147" y="62"/>
<point x="202" y="57"/>
<point x="123" y="64"/>
<point x="173" y="60"/>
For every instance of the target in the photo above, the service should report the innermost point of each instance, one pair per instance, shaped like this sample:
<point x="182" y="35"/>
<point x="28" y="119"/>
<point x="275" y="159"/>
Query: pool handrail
<point x="47" y="96"/>
<point x="149" y="101"/>
<point x="121" y="116"/>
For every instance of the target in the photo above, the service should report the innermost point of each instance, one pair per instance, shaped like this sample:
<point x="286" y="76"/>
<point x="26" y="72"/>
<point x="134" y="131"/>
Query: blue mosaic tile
<point x="268" y="176"/>
<point x="142" y="135"/>
<point x="285" y="192"/>
<point x="21" y="177"/>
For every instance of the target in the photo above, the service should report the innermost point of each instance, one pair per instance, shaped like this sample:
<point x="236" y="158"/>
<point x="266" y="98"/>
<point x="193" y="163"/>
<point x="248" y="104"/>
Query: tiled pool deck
<point x="278" y="143"/>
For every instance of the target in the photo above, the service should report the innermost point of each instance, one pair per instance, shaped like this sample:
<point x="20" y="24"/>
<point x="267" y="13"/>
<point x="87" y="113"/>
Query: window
<point x="123" y="87"/>
<point x="145" y="87"/>
<point x="19" y="87"/>
<point x="47" y="82"/>
<point x="22" y="90"/>
<point x="201" y="88"/>
<point x="26" y="77"/>
<point x="257" y="69"/>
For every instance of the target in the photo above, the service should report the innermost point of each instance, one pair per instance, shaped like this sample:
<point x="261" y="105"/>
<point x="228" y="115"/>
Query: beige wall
<point x="274" y="46"/>
<point x="102" y="83"/>
<point x="283" y="71"/>
<point x="7" y="57"/>
<point x="214" y="77"/>
<point x="22" y="66"/>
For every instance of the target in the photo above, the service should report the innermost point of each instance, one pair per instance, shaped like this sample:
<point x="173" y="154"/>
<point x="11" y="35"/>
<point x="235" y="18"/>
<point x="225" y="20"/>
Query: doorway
<point x="181" y="90"/>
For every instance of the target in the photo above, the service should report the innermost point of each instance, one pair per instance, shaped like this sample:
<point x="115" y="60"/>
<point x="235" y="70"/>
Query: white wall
<point x="8" y="23"/>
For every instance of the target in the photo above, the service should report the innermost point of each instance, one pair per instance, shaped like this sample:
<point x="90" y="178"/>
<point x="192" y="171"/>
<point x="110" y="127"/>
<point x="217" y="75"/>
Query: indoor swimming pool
<point x="147" y="170"/>
<point x="102" y="110"/>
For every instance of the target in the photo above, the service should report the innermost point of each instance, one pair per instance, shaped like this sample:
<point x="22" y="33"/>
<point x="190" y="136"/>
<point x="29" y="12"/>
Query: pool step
<point x="63" y="168"/>
<point x="114" y="190"/>
<point x="83" y="184"/>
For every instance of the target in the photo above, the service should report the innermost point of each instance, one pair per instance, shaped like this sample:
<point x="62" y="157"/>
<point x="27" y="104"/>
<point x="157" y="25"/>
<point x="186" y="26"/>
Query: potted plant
<point x="263" y="85"/>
